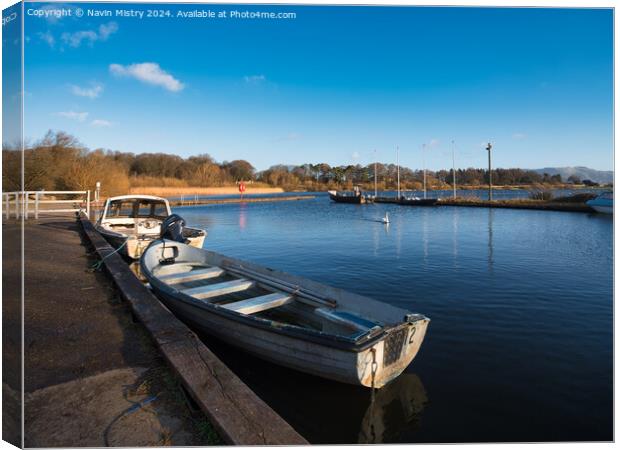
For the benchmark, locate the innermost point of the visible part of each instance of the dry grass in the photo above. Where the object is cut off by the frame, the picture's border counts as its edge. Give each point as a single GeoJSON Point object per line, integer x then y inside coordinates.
{"type": "Point", "coordinates": [146, 181]}
{"type": "Point", "coordinates": [163, 191]}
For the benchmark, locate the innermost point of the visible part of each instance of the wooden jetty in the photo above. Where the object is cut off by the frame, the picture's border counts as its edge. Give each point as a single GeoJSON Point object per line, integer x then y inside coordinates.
{"type": "Point", "coordinates": [518, 204]}
{"type": "Point", "coordinates": [237, 413]}
{"type": "Point", "coordinates": [407, 201]}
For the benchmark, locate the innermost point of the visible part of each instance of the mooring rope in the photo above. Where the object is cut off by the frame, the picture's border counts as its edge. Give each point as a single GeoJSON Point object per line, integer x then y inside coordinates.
{"type": "Point", "coordinates": [99, 263]}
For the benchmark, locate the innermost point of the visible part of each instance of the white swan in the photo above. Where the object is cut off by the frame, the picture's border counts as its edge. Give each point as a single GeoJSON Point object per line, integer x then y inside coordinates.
{"type": "Point", "coordinates": [386, 219]}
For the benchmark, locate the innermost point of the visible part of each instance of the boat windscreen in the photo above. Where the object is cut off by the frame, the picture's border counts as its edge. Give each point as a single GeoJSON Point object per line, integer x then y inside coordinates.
{"type": "Point", "coordinates": [137, 209]}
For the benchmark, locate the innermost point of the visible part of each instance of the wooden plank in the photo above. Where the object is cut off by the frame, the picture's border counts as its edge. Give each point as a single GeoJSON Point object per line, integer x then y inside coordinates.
{"type": "Point", "coordinates": [192, 275]}
{"type": "Point", "coordinates": [218, 289]}
{"type": "Point", "coordinates": [258, 304]}
{"type": "Point", "coordinates": [238, 414]}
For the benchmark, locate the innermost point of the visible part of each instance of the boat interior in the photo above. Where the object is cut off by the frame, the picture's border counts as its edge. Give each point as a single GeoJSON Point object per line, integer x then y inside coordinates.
{"type": "Point", "coordinates": [257, 295]}
{"type": "Point", "coordinates": [135, 216]}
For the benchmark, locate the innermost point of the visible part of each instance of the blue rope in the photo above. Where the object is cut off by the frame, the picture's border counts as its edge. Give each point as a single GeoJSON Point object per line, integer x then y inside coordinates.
{"type": "Point", "coordinates": [98, 264]}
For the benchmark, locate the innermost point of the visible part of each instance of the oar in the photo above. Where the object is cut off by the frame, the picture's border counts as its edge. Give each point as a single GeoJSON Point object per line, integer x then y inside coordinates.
{"type": "Point", "coordinates": [283, 285]}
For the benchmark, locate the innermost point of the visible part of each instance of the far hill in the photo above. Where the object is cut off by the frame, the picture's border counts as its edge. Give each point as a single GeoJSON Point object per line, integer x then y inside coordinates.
{"type": "Point", "coordinates": [583, 173]}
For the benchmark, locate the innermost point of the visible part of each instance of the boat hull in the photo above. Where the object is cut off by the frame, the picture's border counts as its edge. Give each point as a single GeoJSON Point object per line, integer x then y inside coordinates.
{"type": "Point", "coordinates": [346, 366]}
{"type": "Point", "coordinates": [373, 361]}
{"type": "Point", "coordinates": [418, 202]}
{"type": "Point", "coordinates": [132, 246]}
{"type": "Point", "coordinates": [603, 209]}
{"type": "Point", "coordinates": [604, 203]}
{"type": "Point", "coordinates": [353, 199]}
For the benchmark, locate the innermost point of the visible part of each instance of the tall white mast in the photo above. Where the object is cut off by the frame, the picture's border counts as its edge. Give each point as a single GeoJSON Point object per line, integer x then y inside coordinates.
{"type": "Point", "coordinates": [453, 173]}
{"type": "Point", "coordinates": [424, 164]}
{"type": "Point", "coordinates": [375, 172]}
{"type": "Point", "coordinates": [397, 172]}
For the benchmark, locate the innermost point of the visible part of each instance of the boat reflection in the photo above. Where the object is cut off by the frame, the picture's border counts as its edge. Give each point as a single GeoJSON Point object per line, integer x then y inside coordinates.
{"type": "Point", "coordinates": [396, 408]}
{"type": "Point", "coordinates": [328, 412]}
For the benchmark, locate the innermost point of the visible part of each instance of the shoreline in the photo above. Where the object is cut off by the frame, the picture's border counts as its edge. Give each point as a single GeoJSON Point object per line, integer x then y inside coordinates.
{"type": "Point", "coordinates": [168, 192]}
{"type": "Point", "coordinates": [178, 191]}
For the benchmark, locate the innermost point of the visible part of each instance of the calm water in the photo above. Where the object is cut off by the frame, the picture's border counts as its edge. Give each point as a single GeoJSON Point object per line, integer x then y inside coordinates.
{"type": "Point", "coordinates": [520, 342]}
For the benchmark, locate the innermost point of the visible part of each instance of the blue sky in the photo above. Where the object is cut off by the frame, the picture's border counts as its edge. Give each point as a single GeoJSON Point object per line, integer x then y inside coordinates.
{"type": "Point", "coordinates": [330, 85]}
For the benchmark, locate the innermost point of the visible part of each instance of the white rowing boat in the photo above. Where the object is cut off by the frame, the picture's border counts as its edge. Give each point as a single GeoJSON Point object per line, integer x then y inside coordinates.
{"type": "Point", "coordinates": [284, 318]}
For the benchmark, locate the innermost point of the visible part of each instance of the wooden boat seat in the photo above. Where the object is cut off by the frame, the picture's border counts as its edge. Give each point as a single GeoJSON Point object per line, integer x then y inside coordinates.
{"type": "Point", "coordinates": [347, 318]}
{"type": "Point", "coordinates": [218, 289]}
{"type": "Point", "coordinates": [192, 275]}
{"type": "Point", "coordinates": [257, 304]}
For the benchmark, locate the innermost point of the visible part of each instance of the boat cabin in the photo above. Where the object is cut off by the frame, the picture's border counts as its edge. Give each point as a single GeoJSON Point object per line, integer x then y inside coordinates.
{"type": "Point", "coordinates": [134, 214]}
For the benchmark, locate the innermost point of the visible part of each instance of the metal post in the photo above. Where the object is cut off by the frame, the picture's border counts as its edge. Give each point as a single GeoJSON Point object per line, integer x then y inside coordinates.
{"type": "Point", "coordinates": [26, 203]}
{"type": "Point", "coordinates": [88, 203]}
{"type": "Point", "coordinates": [398, 172]}
{"type": "Point", "coordinates": [489, 146]}
{"type": "Point", "coordinates": [17, 205]}
{"type": "Point", "coordinates": [7, 213]}
{"type": "Point", "coordinates": [375, 173]}
{"type": "Point", "coordinates": [36, 205]}
{"type": "Point", "coordinates": [453, 174]}
{"type": "Point", "coordinates": [424, 164]}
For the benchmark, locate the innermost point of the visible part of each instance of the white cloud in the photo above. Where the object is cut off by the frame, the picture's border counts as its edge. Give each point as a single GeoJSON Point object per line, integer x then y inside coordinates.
{"type": "Point", "coordinates": [93, 92]}
{"type": "Point", "coordinates": [48, 38]}
{"type": "Point", "coordinates": [519, 136]}
{"type": "Point", "coordinates": [433, 143]}
{"type": "Point", "coordinates": [79, 116]}
{"type": "Point", "coordinates": [101, 123]}
{"type": "Point", "coordinates": [254, 79]}
{"type": "Point", "coordinates": [89, 36]}
{"type": "Point", "coordinates": [149, 73]}
{"type": "Point", "coordinates": [105, 30]}
{"type": "Point", "coordinates": [355, 156]}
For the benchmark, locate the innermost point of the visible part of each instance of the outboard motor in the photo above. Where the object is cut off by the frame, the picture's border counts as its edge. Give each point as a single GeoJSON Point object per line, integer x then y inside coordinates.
{"type": "Point", "coordinates": [172, 229]}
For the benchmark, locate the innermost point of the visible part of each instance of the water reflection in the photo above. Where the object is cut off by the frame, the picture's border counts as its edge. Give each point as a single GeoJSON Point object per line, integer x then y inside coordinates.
{"type": "Point", "coordinates": [397, 407]}
{"type": "Point", "coordinates": [243, 215]}
{"type": "Point", "coordinates": [490, 240]}
{"type": "Point", "coordinates": [455, 230]}
{"type": "Point", "coordinates": [328, 412]}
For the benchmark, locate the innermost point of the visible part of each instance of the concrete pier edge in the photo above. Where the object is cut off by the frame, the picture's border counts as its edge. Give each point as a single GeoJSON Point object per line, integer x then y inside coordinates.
{"type": "Point", "coordinates": [237, 413]}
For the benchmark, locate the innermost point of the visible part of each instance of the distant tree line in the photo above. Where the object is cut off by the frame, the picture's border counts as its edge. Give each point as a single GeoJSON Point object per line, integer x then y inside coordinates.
{"type": "Point", "coordinates": [60, 162]}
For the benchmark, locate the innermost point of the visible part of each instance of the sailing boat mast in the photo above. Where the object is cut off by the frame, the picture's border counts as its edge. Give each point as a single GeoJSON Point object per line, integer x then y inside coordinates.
{"type": "Point", "coordinates": [375, 173]}
{"type": "Point", "coordinates": [398, 172]}
{"type": "Point", "coordinates": [424, 164]}
{"type": "Point", "coordinates": [453, 173]}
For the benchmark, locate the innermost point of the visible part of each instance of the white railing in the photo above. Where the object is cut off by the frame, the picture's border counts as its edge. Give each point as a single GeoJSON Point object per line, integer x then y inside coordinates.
{"type": "Point", "coordinates": [20, 203]}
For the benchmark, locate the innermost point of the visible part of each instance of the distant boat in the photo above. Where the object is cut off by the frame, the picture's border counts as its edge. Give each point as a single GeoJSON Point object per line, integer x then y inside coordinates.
{"type": "Point", "coordinates": [356, 196]}
{"type": "Point", "coordinates": [284, 318]}
{"type": "Point", "coordinates": [131, 222]}
{"type": "Point", "coordinates": [417, 201]}
{"type": "Point", "coordinates": [604, 203]}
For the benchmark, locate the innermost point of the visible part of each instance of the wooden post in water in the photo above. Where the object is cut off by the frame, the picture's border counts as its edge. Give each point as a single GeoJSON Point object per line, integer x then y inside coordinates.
{"type": "Point", "coordinates": [489, 146]}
